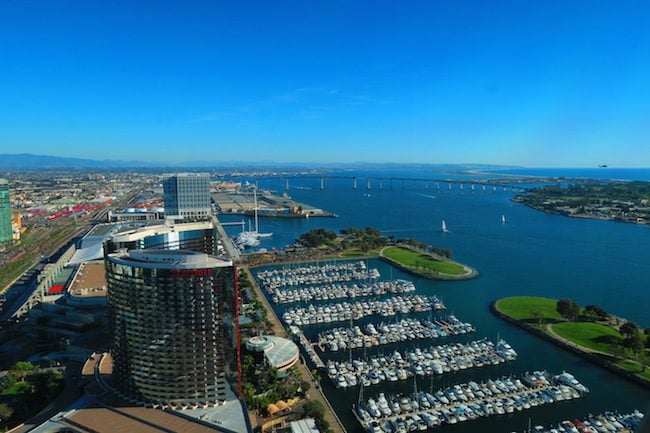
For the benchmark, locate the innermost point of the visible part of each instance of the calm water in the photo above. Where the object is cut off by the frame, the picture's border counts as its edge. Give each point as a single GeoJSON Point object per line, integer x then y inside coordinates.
{"type": "Point", "coordinates": [593, 262]}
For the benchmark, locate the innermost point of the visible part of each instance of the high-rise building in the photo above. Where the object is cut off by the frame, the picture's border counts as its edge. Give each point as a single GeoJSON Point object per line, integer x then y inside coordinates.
{"type": "Point", "coordinates": [5, 213]}
{"type": "Point", "coordinates": [197, 236]}
{"type": "Point", "coordinates": [187, 196]}
{"type": "Point", "coordinates": [169, 314]}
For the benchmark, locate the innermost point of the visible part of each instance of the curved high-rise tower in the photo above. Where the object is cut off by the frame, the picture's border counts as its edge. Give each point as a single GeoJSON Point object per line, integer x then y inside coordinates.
{"type": "Point", "coordinates": [166, 313]}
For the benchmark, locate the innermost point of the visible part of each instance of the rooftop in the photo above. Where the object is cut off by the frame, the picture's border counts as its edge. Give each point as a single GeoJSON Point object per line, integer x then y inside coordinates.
{"type": "Point", "coordinates": [133, 234]}
{"type": "Point", "coordinates": [168, 259]}
{"type": "Point", "coordinates": [280, 353]}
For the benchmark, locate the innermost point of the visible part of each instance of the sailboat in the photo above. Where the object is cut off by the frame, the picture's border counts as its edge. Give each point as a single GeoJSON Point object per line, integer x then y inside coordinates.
{"type": "Point", "coordinates": [443, 229]}
{"type": "Point", "coordinates": [257, 232]}
{"type": "Point", "coordinates": [503, 219]}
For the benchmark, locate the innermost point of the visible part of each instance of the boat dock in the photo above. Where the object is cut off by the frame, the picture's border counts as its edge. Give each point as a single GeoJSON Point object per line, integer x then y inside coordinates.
{"type": "Point", "coordinates": [420, 362]}
{"type": "Point", "coordinates": [340, 291]}
{"type": "Point", "coordinates": [327, 313]}
{"type": "Point", "coordinates": [459, 403]}
{"type": "Point", "coordinates": [309, 348]}
{"type": "Point", "coordinates": [388, 333]}
{"type": "Point", "coordinates": [296, 276]}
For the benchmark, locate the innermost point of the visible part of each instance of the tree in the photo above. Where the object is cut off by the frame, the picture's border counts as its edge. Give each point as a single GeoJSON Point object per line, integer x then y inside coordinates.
{"type": "Point", "coordinates": [305, 386]}
{"type": "Point", "coordinates": [22, 369]}
{"type": "Point", "coordinates": [5, 413]}
{"type": "Point", "coordinates": [248, 391]}
{"type": "Point", "coordinates": [568, 309]}
{"type": "Point", "coordinates": [536, 313]}
{"type": "Point", "coordinates": [634, 343]}
{"type": "Point", "coordinates": [629, 329]}
{"type": "Point", "coordinates": [597, 311]}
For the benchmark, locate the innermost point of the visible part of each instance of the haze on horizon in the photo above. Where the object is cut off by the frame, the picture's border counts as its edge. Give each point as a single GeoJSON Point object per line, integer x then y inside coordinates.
{"type": "Point", "coordinates": [537, 84]}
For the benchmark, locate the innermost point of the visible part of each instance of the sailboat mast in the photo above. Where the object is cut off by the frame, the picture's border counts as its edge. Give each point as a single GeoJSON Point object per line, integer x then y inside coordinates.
{"type": "Point", "coordinates": [256, 221]}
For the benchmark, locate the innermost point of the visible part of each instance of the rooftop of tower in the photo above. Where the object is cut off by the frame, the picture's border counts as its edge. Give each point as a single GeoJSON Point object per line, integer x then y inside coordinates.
{"type": "Point", "coordinates": [168, 259]}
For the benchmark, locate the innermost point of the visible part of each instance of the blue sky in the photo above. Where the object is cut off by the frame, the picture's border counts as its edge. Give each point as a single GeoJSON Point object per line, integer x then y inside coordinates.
{"type": "Point", "coordinates": [535, 83]}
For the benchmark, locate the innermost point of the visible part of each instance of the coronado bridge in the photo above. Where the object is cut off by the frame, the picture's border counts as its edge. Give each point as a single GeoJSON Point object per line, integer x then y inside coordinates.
{"type": "Point", "coordinates": [388, 182]}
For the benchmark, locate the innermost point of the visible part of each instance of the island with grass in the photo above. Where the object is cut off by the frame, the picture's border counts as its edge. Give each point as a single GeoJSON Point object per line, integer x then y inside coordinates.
{"type": "Point", "coordinates": [426, 263]}
{"type": "Point", "coordinates": [410, 255]}
{"type": "Point", "coordinates": [614, 343]}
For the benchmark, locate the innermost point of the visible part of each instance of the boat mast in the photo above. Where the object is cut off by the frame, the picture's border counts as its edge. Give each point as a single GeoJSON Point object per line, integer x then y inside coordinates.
{"type": "Point", "coordinates": [256, 221]}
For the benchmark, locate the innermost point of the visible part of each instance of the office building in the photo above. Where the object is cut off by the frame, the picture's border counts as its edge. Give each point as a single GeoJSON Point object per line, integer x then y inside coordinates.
{"type": "Point", "coordinates": [170, 313]}
{"type": "Point", "coordinates": [187, 196]}
{"type": "Point", "coordinates": [6, 232]}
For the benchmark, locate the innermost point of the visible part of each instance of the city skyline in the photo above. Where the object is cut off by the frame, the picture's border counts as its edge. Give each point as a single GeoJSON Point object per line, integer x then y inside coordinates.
{"type": "Point", "coordinates": [536, 85]}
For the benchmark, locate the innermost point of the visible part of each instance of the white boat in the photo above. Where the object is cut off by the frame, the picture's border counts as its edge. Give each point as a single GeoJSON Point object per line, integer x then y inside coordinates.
{"type": "Point", "coordinates": [443, 229]}
{"type": "Point", "coordinates": [257, 233]}
{"type": "Point", "coordinates": [503, 219]}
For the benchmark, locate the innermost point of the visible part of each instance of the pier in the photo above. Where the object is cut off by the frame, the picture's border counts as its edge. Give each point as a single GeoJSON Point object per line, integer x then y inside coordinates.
{"type": "Point", "coordinates": [340, 291]}
{"type": "Point", "coordinates": [434, 360]}
{"type": "Point", "coordinates": [459, 403]}
{"type": "Point", "coordinates": [328, 313]}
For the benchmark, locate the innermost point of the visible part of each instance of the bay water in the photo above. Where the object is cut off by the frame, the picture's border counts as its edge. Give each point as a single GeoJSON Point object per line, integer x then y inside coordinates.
{"type": "Point", "coordinates": [593, 262]}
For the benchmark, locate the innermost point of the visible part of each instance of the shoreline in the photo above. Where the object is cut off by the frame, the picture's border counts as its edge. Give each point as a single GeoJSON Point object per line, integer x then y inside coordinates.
{"type": "Point", "coordinates": [598, 358]}
{"type": "Point", "coordinates": [579, 216]}
{"type": "Point", "coordinates": [469, 274]}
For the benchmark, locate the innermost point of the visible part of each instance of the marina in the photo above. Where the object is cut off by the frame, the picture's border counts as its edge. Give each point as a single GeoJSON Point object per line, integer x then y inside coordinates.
{"type": "Point", "coordinates": [340, 291]}
{"type": "Point", "coordinates": [387, 333]}
{"type": "Point", "coordinates": [462, 402]}
{"type": "Point", "coordinates": [296, 276]}
{"type": "Point", "coordinates": [312, 314]}
{"type": "Point", "coordinates": [607, 422]}
{"type": "Point", "coordinates": [420, 362]}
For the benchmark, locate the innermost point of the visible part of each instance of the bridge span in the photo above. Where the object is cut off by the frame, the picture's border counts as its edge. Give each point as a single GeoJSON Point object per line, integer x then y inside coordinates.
{"type": "Point", "coordinates": [390, 182]}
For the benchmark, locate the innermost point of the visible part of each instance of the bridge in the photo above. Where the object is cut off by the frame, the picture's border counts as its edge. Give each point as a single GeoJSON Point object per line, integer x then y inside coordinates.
{"type": "Point", "coordinates": [389, 182]}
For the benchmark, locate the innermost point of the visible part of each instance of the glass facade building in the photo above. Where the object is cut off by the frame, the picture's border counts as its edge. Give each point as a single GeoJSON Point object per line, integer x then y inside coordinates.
{"type": "Point", "coordinates": [202, 240]}
{"type": "Point", "coordinates": [169, 313]}
{"type": "Point", "coordinates": [5, 212]}
{"type": "Point", "coordinates": [187, 196]}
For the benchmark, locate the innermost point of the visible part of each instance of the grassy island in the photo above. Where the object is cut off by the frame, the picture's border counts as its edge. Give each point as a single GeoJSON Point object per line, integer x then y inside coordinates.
{"type": "Point", "coordinates": [591, 331]}
{"type": "Point", "coordinates": [421, 262]}
{"type": "Point", "coordinates": [409, 255]}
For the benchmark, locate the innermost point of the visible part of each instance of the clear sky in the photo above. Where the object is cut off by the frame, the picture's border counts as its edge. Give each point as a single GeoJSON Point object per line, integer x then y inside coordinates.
{"type": "Point", "coordinates": [535, 83]}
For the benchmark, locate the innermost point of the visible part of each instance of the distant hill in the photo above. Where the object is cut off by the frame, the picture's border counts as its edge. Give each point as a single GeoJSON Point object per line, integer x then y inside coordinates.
{"type": "Point", "coordinates": [28, 161]}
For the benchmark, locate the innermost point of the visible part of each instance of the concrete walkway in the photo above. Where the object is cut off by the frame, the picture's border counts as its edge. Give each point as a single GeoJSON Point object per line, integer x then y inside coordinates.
{"type": "Point", "coordinates": [315, 393]}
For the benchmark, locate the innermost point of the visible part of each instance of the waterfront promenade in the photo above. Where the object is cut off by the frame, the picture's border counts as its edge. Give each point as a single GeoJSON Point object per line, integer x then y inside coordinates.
{"type": "Point", "coordinates": [316, 393]}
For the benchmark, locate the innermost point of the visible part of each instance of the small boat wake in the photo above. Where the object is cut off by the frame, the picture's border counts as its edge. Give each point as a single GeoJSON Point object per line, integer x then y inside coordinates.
{"type": "Point", "coordinates": [427, 195]}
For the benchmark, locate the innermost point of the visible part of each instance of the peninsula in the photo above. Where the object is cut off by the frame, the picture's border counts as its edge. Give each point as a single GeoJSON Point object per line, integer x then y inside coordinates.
{"type": "Point", "coordinates": [619, 201]}
{"type": "Point", "coordinates": [614, 343]}
{"type": "Point", "coordinates": [409, 255]}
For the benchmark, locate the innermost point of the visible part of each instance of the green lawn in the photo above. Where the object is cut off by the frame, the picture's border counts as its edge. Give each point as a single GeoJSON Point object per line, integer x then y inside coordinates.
{"type": "Point", "coordinates": [356, 252]}
{"type": "Point", "coordinates": [524, 307]}
{"type": "Point", "coordinates": [590, 335]}
{"type": "Point", "coordinates": [634, 368]}
{"type": "Point", "coordinates": [419, 261]}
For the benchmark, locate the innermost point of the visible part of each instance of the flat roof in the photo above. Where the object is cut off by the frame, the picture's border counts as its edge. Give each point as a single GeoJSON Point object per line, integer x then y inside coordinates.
{"type": "Point", "coordinates": [90, 280]}
{"type": "Point", "coordinates": [167, 259]}
{"type": "Point", "coordinates": [134, 234]}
